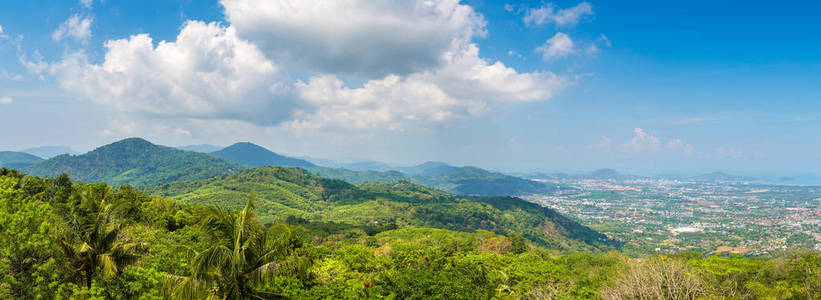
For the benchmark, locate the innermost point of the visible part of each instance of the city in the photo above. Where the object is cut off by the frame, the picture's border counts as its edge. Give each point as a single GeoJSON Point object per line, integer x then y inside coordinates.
{"type": "Point", "coordinates": [674, 215]}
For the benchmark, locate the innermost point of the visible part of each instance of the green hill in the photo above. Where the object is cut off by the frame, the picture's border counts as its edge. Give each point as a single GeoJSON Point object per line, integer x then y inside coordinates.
{"type": "Point", "coordinates": [135, 161]}
{"type": "Point", "coordinates": [480, 182]}
{"type": "Point", "coordinates": [252, 156]}
{"type": "Point", "coordinates": [462, 181]}
{"type": "Point", "coordinates": [357, 177]}
{"type": "Point", "coordinates": [286, 192]}
{"type": "Point", "coordinates": [17, 160]}
{"type": "Point", "coordinates": [429, 169]}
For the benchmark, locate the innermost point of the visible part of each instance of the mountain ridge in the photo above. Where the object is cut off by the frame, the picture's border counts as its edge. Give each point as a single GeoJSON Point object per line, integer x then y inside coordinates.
{"type": "Point", "coordinates": [252, 155]}
{"type": "Point", "coordinates": [295, 192]}
{"type": "Point", "coordinates": [134, 161]}
{"type": "Point", "coordinates": [17, 160]}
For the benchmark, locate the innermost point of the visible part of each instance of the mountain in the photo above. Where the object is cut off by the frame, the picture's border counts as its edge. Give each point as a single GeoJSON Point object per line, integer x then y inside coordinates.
{"type": "Point", "coordinates": [47, 152]}
{"type": "Point", "coordinates": [17, 160]}
{"type": "Point", "coordinates": [135, 161]}
{"type": "Point", "coordinates": [428, 169]}
{"type": "Point", "coordinates": [202, 148]}
{"type": "Point", "coordinates": [476, 181]}
{"type": "Point", "coordinates": [251, 155]}
{"type": "Point", "coordinates": [283, 192]}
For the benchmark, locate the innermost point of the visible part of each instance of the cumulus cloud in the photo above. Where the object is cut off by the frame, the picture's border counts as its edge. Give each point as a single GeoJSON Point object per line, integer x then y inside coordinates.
{"type": "Point", "coordinates": [6, 100]}
{"type": "Point", "coordinates": [642, 141]}
{"type": "Point", "coordinates": [417, 59]}
{"type": "Point", "coordinates": [76, 27]}
{"type": "Point", "coordinates": [678, 145]}
{"type": "Point", "coordinates": [465, 86]}
{"type": "Point", "coordinates": [365, 37]}
{"type": "Point", "coordinates": [206, 73]}
{"type": "Point", "coordinates": [86, 3]}
{"type": "Point", "coordinates": [565, 17]}
{"type": "Point", "coordinates": [559, 45]}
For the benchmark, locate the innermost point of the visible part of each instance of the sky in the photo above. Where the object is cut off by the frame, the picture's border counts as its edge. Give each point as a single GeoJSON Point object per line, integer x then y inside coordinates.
{"type": "Point", "coordinates": [646, 87]}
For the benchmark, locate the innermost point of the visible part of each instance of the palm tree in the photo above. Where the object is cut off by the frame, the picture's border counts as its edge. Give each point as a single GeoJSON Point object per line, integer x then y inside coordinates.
{"type": "Point", "coordinates": [93, 243]}
{"type": "Point", "coordinates": [241, 254]}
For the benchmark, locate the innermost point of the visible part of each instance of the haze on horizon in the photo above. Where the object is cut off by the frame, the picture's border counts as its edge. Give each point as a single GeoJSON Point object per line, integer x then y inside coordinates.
{"type": "Point", "coordinates": [514, 86]}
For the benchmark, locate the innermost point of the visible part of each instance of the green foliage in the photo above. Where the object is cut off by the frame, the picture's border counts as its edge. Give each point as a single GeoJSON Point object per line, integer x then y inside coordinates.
{"type": "Point", "coordinates": [339, 252]}
{"type": "Point", "coordinates": [241, 253]}
{"type": "Point", "coordinates": [94, 243]}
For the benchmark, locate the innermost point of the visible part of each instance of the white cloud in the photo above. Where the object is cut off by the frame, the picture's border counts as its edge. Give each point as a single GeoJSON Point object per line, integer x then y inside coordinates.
{"type": "Point", "coordinates": [559, 45]}
{"type": "Point", "coordinates": [678, 145]}
{"type": "Point", "coordinates": [86, 3]}
{"type": "Point", "coordinates": [565, 17]}
{"type": "Point", "coordinates": [642, 141]}
{"type": "Point", "coordinates": [430, 73]}
{"type": "Point", "coordinates": [6, 100]}
{"type": "Point", "coordinates": [76, 27]}
{"type": "Point", "coordinates": [364, 37]}
{"type": "Point", "coordinates": [206, 73]}
{"type": "Point", "coordinates": [36, 66]}
{"type": "Point", "coordinates": [6, 75]}
{"type": "Point", "coordinates": [595, 47]}
{"type": "Point", "coordinates": [604, 41]}
{"type": "Point", "coordinates": [466, 86]}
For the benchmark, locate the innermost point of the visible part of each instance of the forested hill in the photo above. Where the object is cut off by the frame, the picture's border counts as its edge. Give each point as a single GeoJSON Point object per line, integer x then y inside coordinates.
{"type": "Point", "coordinates": [285, 192]}
{"type": "Point", "coordinates": [70, 240]}
{"type": "Point", "coordinates": [135, 161]}
{"type": "Point", "coordinates": [252, 156]}
{"type": "Point", "coordinates": [480, 182]}
{"type": "Point", "coordinates": [469, 181]}
{"type": "Point", "coordinates": [12, 159]}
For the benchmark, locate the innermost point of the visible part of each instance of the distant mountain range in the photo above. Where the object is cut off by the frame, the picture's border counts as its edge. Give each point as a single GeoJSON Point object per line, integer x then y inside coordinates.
{"type": "Point", "coordinates": [429, 169]}
{"type": "Point", "coordinates": [439, 175]}
{"type": "Point", "coordinates": [610, 174]}
{"type": "Point", "coordinates": [47, 152]}
{"type": "Point", "coordinates": [135, 161]}
{"type": "Point", "coordinates": [17, 160]}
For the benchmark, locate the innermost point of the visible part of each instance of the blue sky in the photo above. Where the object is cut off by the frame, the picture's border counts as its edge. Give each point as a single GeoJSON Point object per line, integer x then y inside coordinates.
{"type": "Point", "coordinates": [647, 87]}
